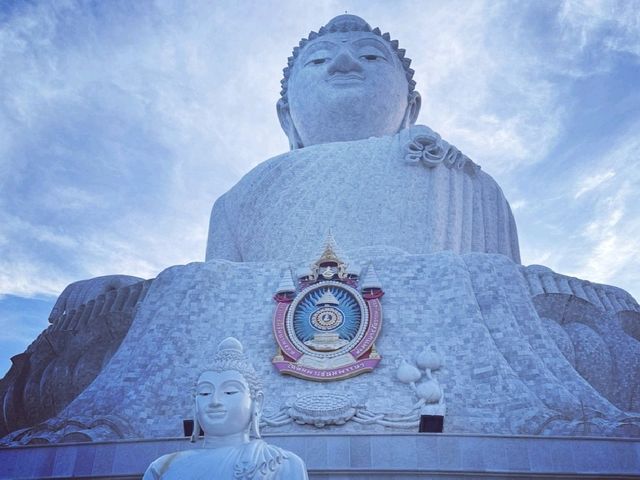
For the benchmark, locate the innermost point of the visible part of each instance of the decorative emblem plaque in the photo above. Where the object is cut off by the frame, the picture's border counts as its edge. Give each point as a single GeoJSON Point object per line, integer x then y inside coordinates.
{"type": "Point", "coordinates": [326, 327]}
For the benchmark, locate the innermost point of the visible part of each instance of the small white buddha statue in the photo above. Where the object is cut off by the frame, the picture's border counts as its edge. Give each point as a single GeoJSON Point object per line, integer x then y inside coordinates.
{"type": "Point", "coordinates": [228, 404]}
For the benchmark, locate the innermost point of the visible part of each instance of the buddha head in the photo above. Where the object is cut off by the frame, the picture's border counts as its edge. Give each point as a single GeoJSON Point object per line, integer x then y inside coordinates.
{"type": "Point", "coordinates": [228, 396]}
{"type": "Point", "coordinates": [346, 82]}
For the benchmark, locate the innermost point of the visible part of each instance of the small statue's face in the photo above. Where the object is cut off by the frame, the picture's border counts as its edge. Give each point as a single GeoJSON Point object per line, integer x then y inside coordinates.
{"type": "Point", "coordinates": [347, 86]}
{"type": "Point", "coordinates": [223, 403]}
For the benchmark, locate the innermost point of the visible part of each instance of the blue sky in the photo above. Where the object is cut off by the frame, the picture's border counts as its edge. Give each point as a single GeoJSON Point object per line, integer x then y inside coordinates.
{"type": "Point", "coordinates": [121, 122]}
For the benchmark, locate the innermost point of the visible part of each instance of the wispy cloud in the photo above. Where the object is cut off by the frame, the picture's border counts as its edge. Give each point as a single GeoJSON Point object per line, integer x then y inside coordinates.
{"type": "Point", "coordinates": [592, 182]}
{"type": "Point", "coordinates": [601, 24]}
{"type": "Point", "coordinates": [593, 231]}
{"type": "Point", "coordinates": [121, 122]}
{"type": "Point", "coordinates": [612, 236]}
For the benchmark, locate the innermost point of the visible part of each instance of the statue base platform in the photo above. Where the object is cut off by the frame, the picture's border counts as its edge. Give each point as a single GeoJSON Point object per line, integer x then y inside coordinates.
{"type": "Point", "coordinates": [523, 353]}
{"type": "Point", "coordinates": [357, 456]}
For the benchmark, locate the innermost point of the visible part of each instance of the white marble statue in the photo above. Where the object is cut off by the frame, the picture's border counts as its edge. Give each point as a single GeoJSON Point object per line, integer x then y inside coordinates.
{"type": "Point", "coordinates": [358, 165]}
{"type": "Point", "coordinates": [228, 404]}
{"type": "Point", "coordinates": [524, 350]}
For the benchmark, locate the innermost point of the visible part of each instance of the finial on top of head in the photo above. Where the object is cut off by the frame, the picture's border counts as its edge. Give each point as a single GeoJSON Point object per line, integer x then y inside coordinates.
{"type": "Point", "coordinates": [230, 356]}
{"type": "Point", "coordinates": [230, 344]}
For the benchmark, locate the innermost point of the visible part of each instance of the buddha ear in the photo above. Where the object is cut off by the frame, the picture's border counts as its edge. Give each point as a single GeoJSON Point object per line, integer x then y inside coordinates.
{"type": "Point", "coordinates": [413, 109]}
{"type": "Point", "coordinates": [196, 425]}
{"type": "Point", "coordinates": [254, 425]}
{"type": "Point", "coordinates": [258, 403]}
{"type": "Point", "coordinates": [286, 122]}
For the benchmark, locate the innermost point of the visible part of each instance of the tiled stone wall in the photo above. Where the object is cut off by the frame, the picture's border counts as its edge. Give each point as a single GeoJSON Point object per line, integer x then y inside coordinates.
{"type": "Point", "coordinates": [503, 373]}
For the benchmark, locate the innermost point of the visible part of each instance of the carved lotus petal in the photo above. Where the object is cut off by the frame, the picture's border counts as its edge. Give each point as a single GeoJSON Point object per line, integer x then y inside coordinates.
{"type": "Point", "coordinates": [407, 373]}
{"type": "Point", "coordinates": [323, 408]}
{"type": "Point", "coordinates": [429, 359]}
{"type": "Point", "coordinates": [429, 391]}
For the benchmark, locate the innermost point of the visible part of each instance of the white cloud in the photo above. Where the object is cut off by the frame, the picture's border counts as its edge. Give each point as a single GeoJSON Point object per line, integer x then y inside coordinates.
{"type": "Point", "coordinates": [613, 24]}
{"type": "Point", "coordinates": [601, 231]}
{"type": "Point", "coordinates": [592, 182]}
{"type": "Point", "coordinates": [518, 204]}
{"type": "Point", "coordinates": [121, 124]}
{"type": "Point", "coordinates": [612, 236]}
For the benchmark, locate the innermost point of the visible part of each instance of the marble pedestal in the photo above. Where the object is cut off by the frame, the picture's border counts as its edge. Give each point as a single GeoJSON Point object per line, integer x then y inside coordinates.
{"type": "Point", "coordinates": [503, 368]}
{"type": "Point", "coordinates": [367, 456]}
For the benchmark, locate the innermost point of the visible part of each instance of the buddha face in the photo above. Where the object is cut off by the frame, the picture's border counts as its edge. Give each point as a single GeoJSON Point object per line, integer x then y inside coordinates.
{"type": "Point", "coordinates": [347, 86]}
{"type": "Point", "coordinates": [223, 403]}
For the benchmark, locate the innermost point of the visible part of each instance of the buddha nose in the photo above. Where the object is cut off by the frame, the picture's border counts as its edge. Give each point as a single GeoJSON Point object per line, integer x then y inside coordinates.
{"type": "Point", "coordinates": [214, 399]}
{"type": "Point", "coordinates": [344, 62]}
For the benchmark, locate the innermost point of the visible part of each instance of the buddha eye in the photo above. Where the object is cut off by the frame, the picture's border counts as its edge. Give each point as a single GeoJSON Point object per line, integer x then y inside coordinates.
{"type": "Point", "coordinates": [317, 61]}
{"type": "Point", "coordinates": [230, 392]}
{"type": "Point", "coordinates": [371, 57]}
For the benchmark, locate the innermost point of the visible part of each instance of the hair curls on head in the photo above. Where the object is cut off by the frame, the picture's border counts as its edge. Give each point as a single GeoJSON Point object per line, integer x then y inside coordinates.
{"type": "Point", "coordinates": [345, 23]}
{"type": "Point", "coordinates": [230, 356]}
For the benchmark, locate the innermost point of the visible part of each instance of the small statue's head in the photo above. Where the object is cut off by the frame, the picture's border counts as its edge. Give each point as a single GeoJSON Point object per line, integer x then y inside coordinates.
{"type": "Point", "coordinates": [228, 396]}
{"type": "Point", "coordinates": [346, 82]}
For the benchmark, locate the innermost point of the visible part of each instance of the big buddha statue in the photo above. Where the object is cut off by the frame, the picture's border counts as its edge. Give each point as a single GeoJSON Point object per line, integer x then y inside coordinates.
{"type": "Point", "coordinates": [522, 349]}
{"type": "Point", "coordinates": [358, 164]}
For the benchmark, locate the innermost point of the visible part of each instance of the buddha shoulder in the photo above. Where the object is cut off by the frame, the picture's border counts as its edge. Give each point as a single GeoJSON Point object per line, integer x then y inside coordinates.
{"type": "Point", "coordinates": [159, 467]}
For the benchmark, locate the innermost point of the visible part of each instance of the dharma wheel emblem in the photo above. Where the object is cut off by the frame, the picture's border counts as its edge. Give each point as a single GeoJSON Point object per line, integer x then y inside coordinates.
{"type": "Point", "coordinates": [327, 325]}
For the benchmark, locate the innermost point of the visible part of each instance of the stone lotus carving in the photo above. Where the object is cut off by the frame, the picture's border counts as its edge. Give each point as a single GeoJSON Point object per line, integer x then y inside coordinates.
{"type": "Point", "coordinates": [228, 405]}
{"type": "Point", "coordinates": [429, 392]}
{"type": "Point", "coordinates": [321, 409]}
{"type": "Point", "coordinates": [324, 408]}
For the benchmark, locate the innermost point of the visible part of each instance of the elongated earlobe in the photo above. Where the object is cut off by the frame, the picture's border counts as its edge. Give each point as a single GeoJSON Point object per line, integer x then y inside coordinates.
{"type": "Point", "coordinates": [287, 125]}
{"type": "Point", "coordinates": [196, 425]}
{"type": "Point", "coordinates": [413, 109]}
{"type": "Point", "coordinates": [256, 415]}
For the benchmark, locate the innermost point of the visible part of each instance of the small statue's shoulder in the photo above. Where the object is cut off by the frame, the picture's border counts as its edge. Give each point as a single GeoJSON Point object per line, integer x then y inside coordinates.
{"type": "Point", "coordinates": [280, 464]}
{"type": "Point", "coordinates": [293, 467]}
{"type": "Point", "coordinates": [161, 465]}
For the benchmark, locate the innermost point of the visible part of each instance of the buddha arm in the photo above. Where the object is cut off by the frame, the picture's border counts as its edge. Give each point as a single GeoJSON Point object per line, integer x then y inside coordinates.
{"type": "Point", "coordinates": [222, 240]}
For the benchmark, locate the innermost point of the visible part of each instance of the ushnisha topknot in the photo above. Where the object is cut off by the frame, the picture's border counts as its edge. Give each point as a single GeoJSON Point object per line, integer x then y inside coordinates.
{"type": "Point", "coordinates": [346, 23]}
{"type": "Point", "coordinates": [230, 356]}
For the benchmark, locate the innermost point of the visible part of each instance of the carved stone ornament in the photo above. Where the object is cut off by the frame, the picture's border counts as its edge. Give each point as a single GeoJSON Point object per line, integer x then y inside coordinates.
{"type": "Point", "coordinates": [429, 391]}
{"type": "Point", "coordinates": [326, 328]}
{"type": "Point", "coordinates": [427, 147]}
{"type": "Point", "coordinates": [324, 408]}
